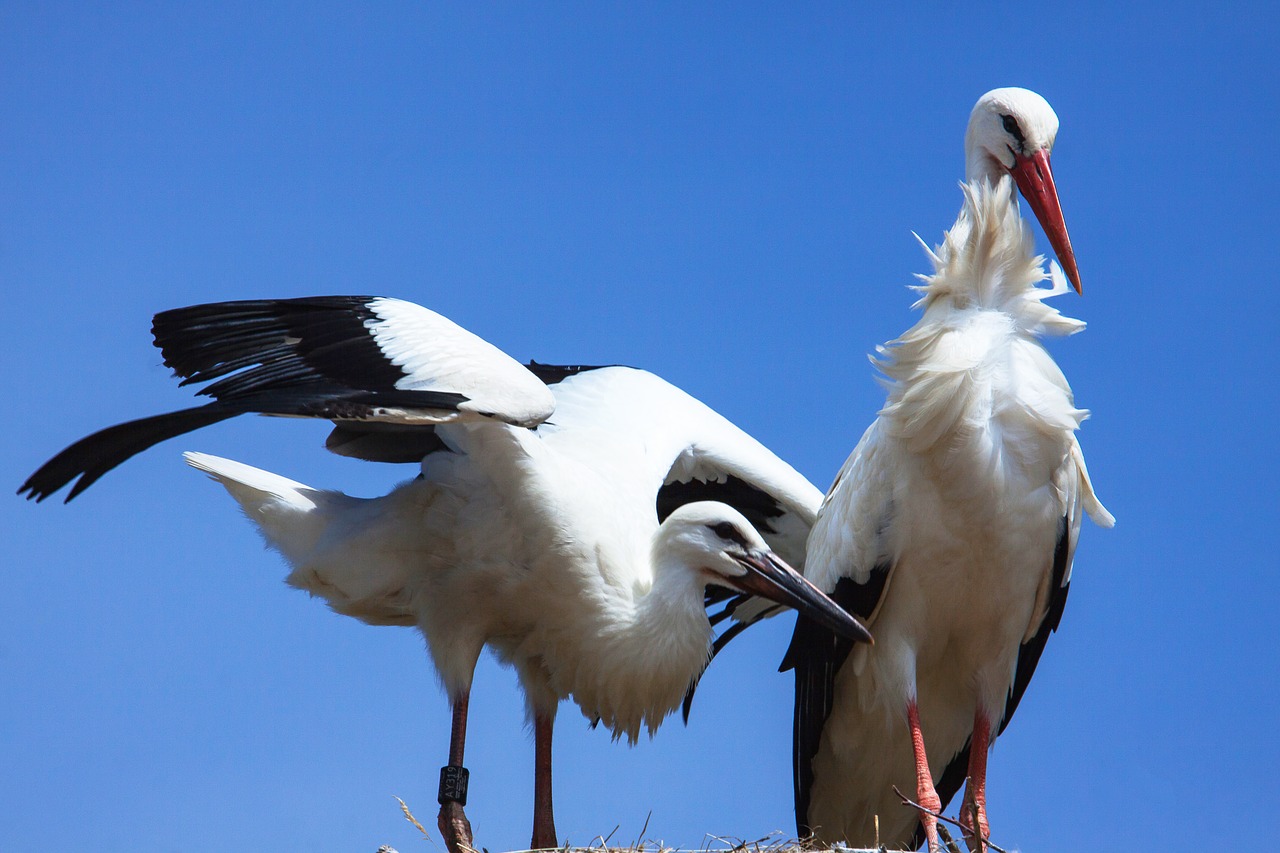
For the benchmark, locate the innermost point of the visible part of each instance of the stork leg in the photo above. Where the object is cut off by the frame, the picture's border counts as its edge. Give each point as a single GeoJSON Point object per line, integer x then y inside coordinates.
{"type": "Point", "coordinates": [452, 821]}
{"type": "Point", "coordinates": [544, 821]}
{"type": "Point", "coordinates": [973, 814]}
{"type": "Point", "coordinates": [926, 793]}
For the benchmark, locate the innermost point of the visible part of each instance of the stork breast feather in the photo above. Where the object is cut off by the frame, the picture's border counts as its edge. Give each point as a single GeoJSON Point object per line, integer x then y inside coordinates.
{"type": "Point", "coordinates": [929, 408]}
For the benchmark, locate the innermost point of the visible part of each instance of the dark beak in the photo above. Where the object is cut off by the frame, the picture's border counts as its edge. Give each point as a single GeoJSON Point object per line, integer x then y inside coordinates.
{"type": "Point", "coordinates": [1035, 182]}
{"type": "Point", "coordinates": [769, 577]}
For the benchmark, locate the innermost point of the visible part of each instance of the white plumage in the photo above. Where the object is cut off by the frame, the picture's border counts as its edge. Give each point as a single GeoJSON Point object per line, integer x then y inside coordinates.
{"type": "Point", "coordinates": [543, 544]}
{"type": "Point", "coordinates": [542, 541]}
{"type": "Point", "coordinates": [952, 525]}
{"type": "Point", "coordinates": [435, 353]}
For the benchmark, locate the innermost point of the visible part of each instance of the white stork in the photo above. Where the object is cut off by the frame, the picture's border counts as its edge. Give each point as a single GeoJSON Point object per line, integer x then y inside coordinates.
{"type": "Point", "coordinates": [569, 518]}
{"type": "Point", "coordinates": [951, 528]}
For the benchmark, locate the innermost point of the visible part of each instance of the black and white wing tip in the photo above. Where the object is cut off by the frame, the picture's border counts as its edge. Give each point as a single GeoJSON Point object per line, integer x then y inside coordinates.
{"type": "Point", "coordinates": [352, 358]}
{"type": "Point", "coordinates": [343, 358]}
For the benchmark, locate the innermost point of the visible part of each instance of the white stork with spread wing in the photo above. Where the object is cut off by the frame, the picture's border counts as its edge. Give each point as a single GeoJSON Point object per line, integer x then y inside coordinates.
{"type": "Point", "coordinates": [569, 518]}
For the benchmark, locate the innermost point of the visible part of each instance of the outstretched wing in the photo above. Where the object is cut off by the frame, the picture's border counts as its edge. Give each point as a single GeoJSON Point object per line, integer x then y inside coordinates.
{"type": "Point", "coordinates": [357, 359]}
{"type": "Point", "coordinates": [688, 451]}
{"type": "Point", "coordinates": [692, 453]}
{"type": "Point", "coordinates": [378, 441]}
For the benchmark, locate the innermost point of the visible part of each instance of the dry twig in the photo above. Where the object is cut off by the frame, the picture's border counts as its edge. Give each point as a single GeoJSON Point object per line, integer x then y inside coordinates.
{"type": "Point", "coordinates": [639, 842]}
{"type": "Point", "coordinates": [940, 816]}
{"type": "Point", "coordinates": [948, 840]}
{"type": "Point", "coordinates": [970, 805]}
{"type": "Point", "coordinates": [603, 839]}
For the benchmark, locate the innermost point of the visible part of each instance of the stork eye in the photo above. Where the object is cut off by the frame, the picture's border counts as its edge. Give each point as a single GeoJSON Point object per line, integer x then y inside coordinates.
{"type": "Point", "coordinates": [1011, 128]}
{"type": "Point", "coordinates": [726, 530]}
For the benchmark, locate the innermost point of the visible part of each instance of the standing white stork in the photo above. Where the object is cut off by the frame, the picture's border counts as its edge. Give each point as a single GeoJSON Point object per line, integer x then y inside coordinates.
{"type": "Point", "coordinates": [951, 527]}
{"type": "Point", "coordinates": [577, 548]}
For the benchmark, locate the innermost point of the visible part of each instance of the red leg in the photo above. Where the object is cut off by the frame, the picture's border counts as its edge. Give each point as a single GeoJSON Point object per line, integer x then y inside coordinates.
{"type": "Point", "coordinates": [544, 822]}
{"type": "Point", "coordinates": [973, 815]}
{"type": "Point", "coordinates": [926, 794]}
{"type": "Point", "coordinates": [452, 821]}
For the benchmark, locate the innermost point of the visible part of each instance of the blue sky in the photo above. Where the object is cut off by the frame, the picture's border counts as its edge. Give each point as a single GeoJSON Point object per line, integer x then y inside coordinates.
{"type": "Point", "coordinates": [722, 193]}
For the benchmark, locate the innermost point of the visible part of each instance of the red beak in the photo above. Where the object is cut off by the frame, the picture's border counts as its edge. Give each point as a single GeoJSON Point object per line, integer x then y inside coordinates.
{"type": "Point", "coordinates": [1035, 182]}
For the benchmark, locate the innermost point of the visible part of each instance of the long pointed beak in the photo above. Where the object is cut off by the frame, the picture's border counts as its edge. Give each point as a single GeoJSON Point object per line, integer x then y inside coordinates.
{"type": "Point", "coordinates": [1035, 182]}
{"type": "Point", "coordinates": [770, 577]}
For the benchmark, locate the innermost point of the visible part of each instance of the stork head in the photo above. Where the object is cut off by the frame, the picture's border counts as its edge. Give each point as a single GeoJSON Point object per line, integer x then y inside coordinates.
{"type": "Point", "coordinates": [715, 541]}
{"type": "Point", "coordinates": [1011, 132]}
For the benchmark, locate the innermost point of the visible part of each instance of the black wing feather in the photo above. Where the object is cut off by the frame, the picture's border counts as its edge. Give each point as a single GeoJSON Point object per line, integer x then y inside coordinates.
{"type": "Point", "coordinates": [96, 454]}
{"type": "Point", "coordinates": [260, 344]}
{"type": "Point", "coordinates": [372, 441]}
{"type": "Point", "coordinates": [553, 374]}
{"type": "Point", "coordinates": [310, 357]}
{"type": "Point", "coordinates": [758, 506]}
{"type": "Point", "coordinates": [816, 654]}
{"type": "Point", "coordinates": [732, 600]}
{"type": "Point", "coordinates": [1029, 653]}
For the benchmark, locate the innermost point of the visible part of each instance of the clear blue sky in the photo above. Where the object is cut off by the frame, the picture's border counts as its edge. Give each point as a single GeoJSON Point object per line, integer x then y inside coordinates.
{"type": "Point", "coordinates": [722, 193]}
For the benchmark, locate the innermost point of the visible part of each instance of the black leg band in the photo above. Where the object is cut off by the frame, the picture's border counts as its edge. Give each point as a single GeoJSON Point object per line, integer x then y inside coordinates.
{"type": "Point", "coordinates": [453, 785]}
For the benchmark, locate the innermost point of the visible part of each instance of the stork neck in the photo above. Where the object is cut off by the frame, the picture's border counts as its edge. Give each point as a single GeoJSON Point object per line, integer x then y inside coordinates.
{"type": "Point", "coordinates": [674, 602]}
{"type": "Point", "coordinates": [641, 655]}
{"type": "Point", "coordinates": [980, 166]}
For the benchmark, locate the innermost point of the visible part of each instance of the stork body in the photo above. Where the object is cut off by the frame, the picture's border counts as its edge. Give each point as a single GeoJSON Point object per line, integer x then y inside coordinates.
{"type": "Point", "coordinates": [951, 527]}
{"type": "Point", "coordinates": [577, 548]}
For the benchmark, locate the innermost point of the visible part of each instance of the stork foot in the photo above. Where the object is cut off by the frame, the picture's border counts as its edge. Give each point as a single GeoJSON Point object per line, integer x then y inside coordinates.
{"type": "Point", "coordinates": [932, 804]}
{"type": "Point", "coordinates": [973, 820]}
{"type": "Point", "coordinates": [926, 794]}
{"type": "Point", "coordinates": [973, 811]}
{"type": "Point", "coordinates": [455, 828]}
